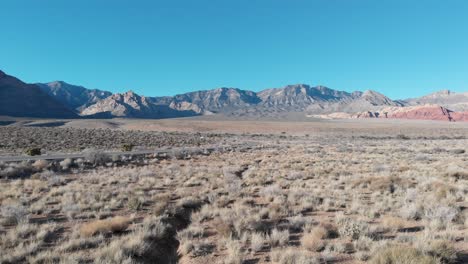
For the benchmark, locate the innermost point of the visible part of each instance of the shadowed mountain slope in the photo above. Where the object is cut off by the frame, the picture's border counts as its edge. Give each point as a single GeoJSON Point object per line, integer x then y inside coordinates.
{"type": "Point", "coordinates": [73, 96]}
{"type": "Point", "coordinates": [28, 100]}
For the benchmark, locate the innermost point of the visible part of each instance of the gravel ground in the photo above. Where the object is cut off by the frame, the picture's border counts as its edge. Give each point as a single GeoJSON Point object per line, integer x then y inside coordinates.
{"type": "Point", "coordinates": [17, 139]}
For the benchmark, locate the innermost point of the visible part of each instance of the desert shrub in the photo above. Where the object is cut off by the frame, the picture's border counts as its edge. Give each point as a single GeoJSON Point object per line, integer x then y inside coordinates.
{"type": "Point", "coordinates": [25, 230]}
{"type": "Point", "coordinates": [363, 243]}
{"type": "Point", "coordinates": [116, 224]}
{"type": "Point", "coordinates": [292, 256]}
{"type": "Point", "coordinates": [339, 247]}
{"type": "Point", "coordinates": [329, 229]}
{"type": "Point", "coordinates": [150, 242]}
{"type": "Point", "coordinates": [456, 172]}
{"type": "Point", "coordinates": [412, 211]}
{"type": "Point", "coordinates": [33, 151]}
{"type": "Point", "coordinates": [257, 241]}
{"type": "Point", "coordinates": [313, 240]}
{"type": "Point", "coordinates": [298, 222]}
{"type": "Point", "coordinates": [402, 137]}
{"type": "Point", "coordinates": [223, 228]}
{"type": "Point", "coordinates": [457, 151]}
{"type": "Point", "coordinates": [179, 154]}
{"type": "Point", "coordinates": [362, 255]}
{"type": "Point", "coordinates": [193, 231]}
{"type": "Point", "coordinates": [185, 247]}
{"type": "Point", "coordinates": [393, 223]}
{"type": "Point", "coordinates": [127, 147]}
{"type": "Point", "coordinates": [190, 203]}
{"type": "Point", "coordinates": [440, 249]}
{"type": "Point", "coordinates": [279, 238]}
{"type": "Point", "coordinates": [40, 164]}
{"type": "Point", "coordinates": [402, 255]}
{"type": "Point", "coordinates": [81, 243]}
{"type": "Point", "coordinates": [232, 182]}
{"type": "Point", "coordinates": [348, 227]}
{"type": "Point", "coordinates": [202, 248]}
{"type": "Point", "coordinates": [272, 191]}
{"type": "Point", "coordinates": [52, 178]}
{"type": "Point", "coordinates": [66, 163]}
{"type": "Point", "coordinates": [234, 252]}
{"type": "Point", "coordinates": [440, 216]}
{"type": "Point", "coordinates": [71, 210]}
{"type": "Point", "coordinates": [14, 214]}
{"type": "Point", "coordinates": [15, 170]}
{"type": "Point", "coordinates": [96, 157]}
{"type": "Point", "coordinates": [134, 203]}
{"type": "Point", "coordinates": [20, 252]}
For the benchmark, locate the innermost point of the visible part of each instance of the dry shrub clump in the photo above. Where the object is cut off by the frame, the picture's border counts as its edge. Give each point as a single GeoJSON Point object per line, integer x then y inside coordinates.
{"type": "Point", "coordinates": [150, 242]}
{"type": "Point", "coordinates": [111, 225]}
{"type": "Point", "coordinates": [293, 256]}
{"type": "Point", "coordinates": [331, 197]}
{"type": "Point", "coordinates": [393, 223]}
{"type": "Point", "coordinates": [402, 255]}
{"type": "Point", "coordinates": [257, 241]}
{"type": "Point", "coordinates": [313, 240]}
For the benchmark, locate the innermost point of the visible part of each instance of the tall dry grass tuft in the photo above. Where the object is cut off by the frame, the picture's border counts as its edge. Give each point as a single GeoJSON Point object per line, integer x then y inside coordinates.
{"type": "Point", "coordinates": [112, 225]}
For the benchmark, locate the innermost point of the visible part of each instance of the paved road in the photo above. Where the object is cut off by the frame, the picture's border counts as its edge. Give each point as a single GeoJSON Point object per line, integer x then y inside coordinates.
{"type": "Point", "coordinates": [61, 156]}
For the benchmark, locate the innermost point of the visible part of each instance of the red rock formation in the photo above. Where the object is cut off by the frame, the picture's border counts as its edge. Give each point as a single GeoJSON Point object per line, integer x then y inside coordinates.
{"type": "Point", "coordinates": [424, 112]}
{"type": "Point", "coordinates": [460, 116]}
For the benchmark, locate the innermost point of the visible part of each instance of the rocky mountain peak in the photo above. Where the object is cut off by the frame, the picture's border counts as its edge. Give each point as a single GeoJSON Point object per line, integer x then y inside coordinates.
{"type": "Point", "coordinates": [295, 98]}
{"type": "Point", "coordinates": [130, 93]}
{"type": "Point", "coordinates": [376, 98]}
{"type": "Point", "coordinates": [441, 93]}
{"type": "Point", "coordinates": [74, 97]}
{"type": "Point", "coordinates": [57, 84]}
{"type": "Point", "coordinates": [446, 98]}
{"type": "Point", "coordinates": [27, 100]}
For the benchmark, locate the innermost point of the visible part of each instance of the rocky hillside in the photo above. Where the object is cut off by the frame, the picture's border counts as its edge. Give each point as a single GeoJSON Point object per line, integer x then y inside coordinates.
{"type": "Point", "coordinates": [423, 112]}
{"type": "Point", "coordinates": [74, 97]}
{"type": "Point", "coordinates": [300, 96]}
{"type": "Point", "coordinates": [360, 101]}
{"type": "Point", "coordinates": [419, 112]}
{"type": "Point", "coordinates": [446, 98]}
{"type": "Point", "coordinates": [28, 100]}
{"type": "Point", "coordinates": [132, 105]}
{"type": "Point", "coordinates": [61, 99]}
{"type": "Point", "coordinates": [240, 103]}
{"type": "Point", "coordinates": [212, 101]}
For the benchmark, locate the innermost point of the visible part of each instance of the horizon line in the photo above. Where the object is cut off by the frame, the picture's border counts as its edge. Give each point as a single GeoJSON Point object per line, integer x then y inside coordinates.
{"type": "Point", "coordinates": [238, 88]}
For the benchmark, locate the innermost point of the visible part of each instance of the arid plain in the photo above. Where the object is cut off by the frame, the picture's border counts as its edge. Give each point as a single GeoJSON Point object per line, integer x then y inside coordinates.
{"type": "Point", "coordinates": [230, 191]}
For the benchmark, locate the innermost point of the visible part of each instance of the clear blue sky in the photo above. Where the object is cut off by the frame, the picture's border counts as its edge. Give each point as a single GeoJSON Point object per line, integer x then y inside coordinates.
{"type": "Point", "coordinates": [402, 48]}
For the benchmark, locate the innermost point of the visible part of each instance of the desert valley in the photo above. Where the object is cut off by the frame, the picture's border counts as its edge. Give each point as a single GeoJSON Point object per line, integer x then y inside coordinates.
{"type": "Point", "coordinates": [234, 132]}
{"type": "Point", "coordinates": [294, 175]}
{"type": "Point", "coordinates": [59, 99]}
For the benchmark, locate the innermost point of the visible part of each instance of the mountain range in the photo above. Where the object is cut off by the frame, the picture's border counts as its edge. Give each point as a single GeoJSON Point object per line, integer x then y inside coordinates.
{"type": "Point", "coordinates": [19, 99]}
{"type": "Point", "coordinates": [62, 100]}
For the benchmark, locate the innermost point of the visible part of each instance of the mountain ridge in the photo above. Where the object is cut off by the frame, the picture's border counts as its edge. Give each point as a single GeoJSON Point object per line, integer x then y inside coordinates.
{"type": "Point", "coordinates": [75, 97]}
{"type": "Point", "coordinates": [296, 98]}
{"type": "Point", "coordinates": [20, 99]}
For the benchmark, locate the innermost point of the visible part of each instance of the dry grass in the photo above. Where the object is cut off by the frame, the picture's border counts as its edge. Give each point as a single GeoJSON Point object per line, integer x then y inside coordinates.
{"type": "Point", "coordinates": [313, 240]}
{"type": "Point", "coordinates": [402, 255]}
{"type": "Point", "coordinates": [340, 195]}
{"type": "Point", "coordinates": [112, 225]}
{"type": "Point", "coordinates": [393, 223]}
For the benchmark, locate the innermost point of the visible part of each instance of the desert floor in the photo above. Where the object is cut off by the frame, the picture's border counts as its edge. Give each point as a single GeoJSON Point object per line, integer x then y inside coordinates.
{"type": "Point", "coordinates": [350, 191]}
